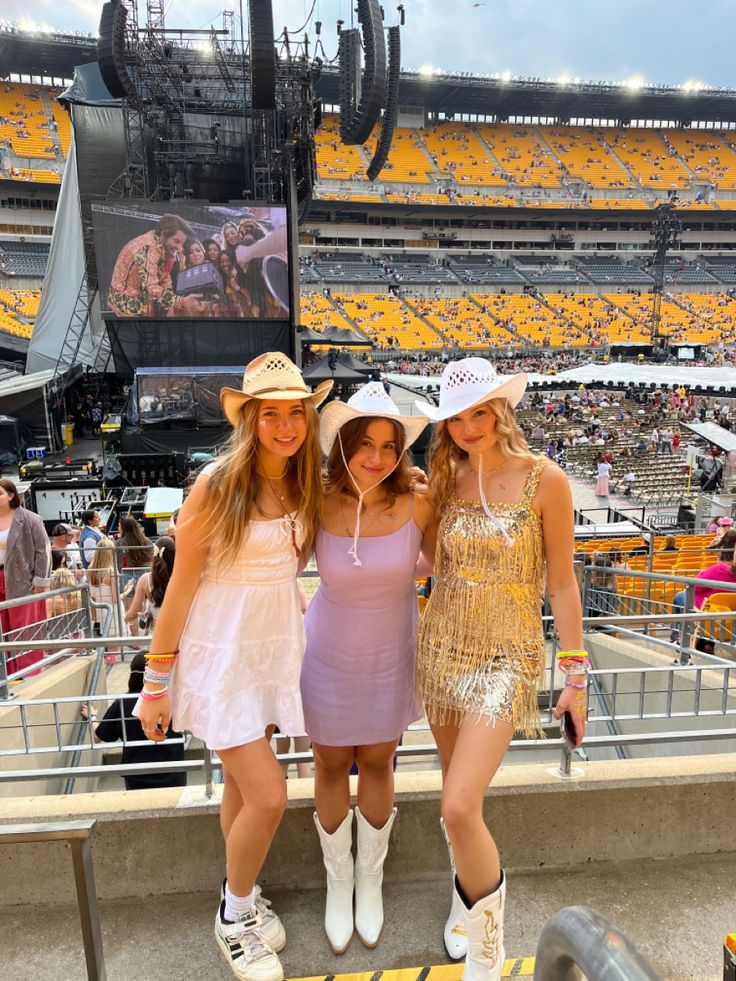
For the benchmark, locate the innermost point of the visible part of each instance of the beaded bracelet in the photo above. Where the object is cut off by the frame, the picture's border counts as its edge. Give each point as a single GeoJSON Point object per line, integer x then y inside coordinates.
{"type": "Point", "coordinates": [574, 665]}
{"type": "Point", "coordinates": [561, 654]}
{"type": "Point", "coordinates": [150, 675]}
{"type": "Point", "coordinates": [165, 656]}
{"type": "Point", "coordinates": [572, 684]}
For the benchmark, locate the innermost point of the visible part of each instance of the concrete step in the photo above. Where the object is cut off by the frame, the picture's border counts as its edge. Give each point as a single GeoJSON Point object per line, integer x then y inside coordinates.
{"type": "Point", "coordinates": [675, 911]}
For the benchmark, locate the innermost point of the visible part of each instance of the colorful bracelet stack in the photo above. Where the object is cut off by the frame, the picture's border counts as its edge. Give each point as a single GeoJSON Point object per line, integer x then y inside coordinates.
{"type": "Point", "coordinates": [152, 676]}
{"type": "Point", "coordinates": [573, 663]}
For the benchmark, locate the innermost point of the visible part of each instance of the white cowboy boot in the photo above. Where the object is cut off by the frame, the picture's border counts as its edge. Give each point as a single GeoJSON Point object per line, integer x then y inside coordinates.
{"type": "Point", "coordinates": [484, 923]}
{"type": "Point", "coordinates": [372, 851]}
{"type": "Point", "coordinates": [456, 938]}
{"type": "Point", "coordinates": [337, 852]}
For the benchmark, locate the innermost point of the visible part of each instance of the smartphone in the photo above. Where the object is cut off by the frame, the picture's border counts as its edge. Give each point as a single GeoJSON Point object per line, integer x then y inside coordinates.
{"type": "Point", "coordinates": [569, 732]}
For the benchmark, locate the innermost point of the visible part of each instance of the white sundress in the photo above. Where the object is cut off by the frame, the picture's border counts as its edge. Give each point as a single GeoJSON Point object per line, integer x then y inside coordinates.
{"type": "Point", "coordinates": [241, 650]}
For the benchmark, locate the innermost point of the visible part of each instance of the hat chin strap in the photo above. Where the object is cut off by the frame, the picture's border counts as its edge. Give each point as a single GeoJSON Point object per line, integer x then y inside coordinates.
{"type": "Point", "coordinates": [484, 504]}
{"type": "Point", "coordinates": [353, 550]}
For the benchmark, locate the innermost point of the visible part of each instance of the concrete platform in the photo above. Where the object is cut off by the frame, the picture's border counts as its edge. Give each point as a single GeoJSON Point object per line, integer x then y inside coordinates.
{"type": "Point", "coordinates": [676, 912]}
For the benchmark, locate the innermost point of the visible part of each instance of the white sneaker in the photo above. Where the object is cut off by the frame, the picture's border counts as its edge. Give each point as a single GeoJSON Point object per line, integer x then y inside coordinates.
{"type": "Point", "coordinates": [246, 949]}
{"type": "Point", "coordinates": [271, 926]}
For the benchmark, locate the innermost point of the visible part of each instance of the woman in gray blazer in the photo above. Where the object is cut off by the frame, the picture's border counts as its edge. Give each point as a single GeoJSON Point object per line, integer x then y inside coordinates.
{"type": "Point", "coordinates": [25, 567]}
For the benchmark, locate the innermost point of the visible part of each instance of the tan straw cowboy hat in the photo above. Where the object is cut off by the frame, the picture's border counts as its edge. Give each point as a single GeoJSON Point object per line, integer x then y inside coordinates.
{"type": "Point", "coordinates": [270, 376]}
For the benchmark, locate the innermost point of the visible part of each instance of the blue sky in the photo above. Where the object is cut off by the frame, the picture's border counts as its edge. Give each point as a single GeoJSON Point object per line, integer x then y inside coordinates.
{"type": "Point", "coordinates": [667, 42]}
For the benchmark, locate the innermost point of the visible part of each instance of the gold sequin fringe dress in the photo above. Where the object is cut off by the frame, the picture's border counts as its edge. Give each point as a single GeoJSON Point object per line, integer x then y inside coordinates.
{"type": "Point", "coordinates": [480, 650]}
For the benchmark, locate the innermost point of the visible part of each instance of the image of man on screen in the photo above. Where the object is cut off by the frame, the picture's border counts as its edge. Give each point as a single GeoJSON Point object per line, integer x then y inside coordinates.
{"type": "Point", "coordinates": [143, 281]}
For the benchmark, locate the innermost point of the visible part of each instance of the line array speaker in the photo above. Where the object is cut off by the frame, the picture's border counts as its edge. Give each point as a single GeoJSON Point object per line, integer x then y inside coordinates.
{"type": "Point", "coordinates": [373, 84]}
{"type": "Point", "coordinates": [349, 55]}
{"type": "Point", "coordinates": [391, 112]}
{"type": "Point", "coordinates": [111, 50]}
{"type": "Point", "coordinates": [262, 54]}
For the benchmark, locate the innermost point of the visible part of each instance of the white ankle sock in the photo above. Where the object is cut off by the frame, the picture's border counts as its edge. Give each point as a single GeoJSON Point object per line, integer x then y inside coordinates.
{"type": "Point", "coordinates": [237, 906]}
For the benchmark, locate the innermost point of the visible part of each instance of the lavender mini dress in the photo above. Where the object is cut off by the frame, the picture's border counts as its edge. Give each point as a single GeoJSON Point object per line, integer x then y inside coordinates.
{"type": "Point", "coordinates": [358, 671]}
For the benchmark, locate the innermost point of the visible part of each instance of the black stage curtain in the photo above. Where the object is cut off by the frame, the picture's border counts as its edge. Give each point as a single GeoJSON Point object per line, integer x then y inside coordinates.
{"type": "Point", "coordinates": [183, 343]}
{"type": "Point", "coordinates": [178, 441]}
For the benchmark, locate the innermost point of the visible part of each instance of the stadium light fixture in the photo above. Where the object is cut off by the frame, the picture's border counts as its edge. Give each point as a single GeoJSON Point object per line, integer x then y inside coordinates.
{"type": "Point", "coordinates": [635, 83]}
{"type": "Point", "coordinates": [427, 71]}
{"type": "Point", "coordinates": [692, 85]}
{"type": "Point", "coordinates": [563, 79]}
{"type": "Point", "coordinates": [505, 76]}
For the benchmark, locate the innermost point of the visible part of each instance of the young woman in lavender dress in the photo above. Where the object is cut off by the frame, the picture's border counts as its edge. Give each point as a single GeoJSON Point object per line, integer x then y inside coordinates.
{"type": "Point", "coordinates": [358, 671]}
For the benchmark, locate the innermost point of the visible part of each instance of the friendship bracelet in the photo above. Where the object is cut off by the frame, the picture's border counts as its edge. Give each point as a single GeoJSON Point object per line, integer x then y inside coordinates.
{"type": "Point", "coordinates": [163, 654]}
{"type": "Point", "coordinates": [573, 684]}
{"type": "Point", "coordinates": [150, 675]}
{"type": "Point", "coordinates": [153, 696]}
{"type": "Point", "coordinates": [575, 665]}
{"type": "Point", "coordinates": [561, 654]}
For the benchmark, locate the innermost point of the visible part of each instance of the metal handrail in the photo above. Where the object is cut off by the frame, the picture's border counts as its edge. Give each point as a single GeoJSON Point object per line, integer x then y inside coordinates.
{"type": "Point", "coordinates": [581, 943]}
{"type": "Point", "coordinates": [78, 834]}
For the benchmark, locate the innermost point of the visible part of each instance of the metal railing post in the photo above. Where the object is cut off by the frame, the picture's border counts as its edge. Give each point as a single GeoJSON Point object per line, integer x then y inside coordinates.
{"type": "Point", "coordinates": [686, 628]}
{"type": "Point", "coordinates": [209, 787]}
{"type": "Point", "coordinates": [89, 916]}
{"type": "Point", "coordinates": [5, 693]}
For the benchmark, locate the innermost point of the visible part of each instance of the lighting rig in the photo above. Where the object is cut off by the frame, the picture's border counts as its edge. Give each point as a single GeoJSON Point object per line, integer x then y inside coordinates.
{"type": "Point", "coordinates": [210, 115]}
{"type": "Point", "coordinates": [666, 232]}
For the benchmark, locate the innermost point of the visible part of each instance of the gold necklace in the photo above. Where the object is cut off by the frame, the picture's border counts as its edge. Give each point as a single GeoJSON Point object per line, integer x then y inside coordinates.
{"type": "Point", "coordinates": [291, 520]}
{"type": "Point", "coordinates": [272, 482]}
{"type": "Point", "coordinates": [489, 470]}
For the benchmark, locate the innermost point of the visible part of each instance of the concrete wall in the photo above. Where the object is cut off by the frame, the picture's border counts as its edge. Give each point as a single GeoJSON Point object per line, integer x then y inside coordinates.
{"type": "Point", "coordinates": [166, 842]}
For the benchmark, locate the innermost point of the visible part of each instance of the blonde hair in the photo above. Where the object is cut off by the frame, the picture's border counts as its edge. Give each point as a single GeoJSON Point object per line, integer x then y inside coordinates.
{"type": "Point", "coordinates": [233, 485]}
{"type": "Point", "coordinates": [102, 561]}
{"type": "Point", "coordinates": [445, 454]}
{"type": "Point", "coordinates": [62, 579]}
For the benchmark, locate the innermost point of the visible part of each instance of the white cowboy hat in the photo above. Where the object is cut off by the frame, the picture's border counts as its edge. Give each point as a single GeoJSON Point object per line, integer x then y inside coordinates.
{"type": "Point", "coordinates": [370, 400]}
{"type": "Point", "coordinates": [469, 382]}
{"type": "Point", "coordinates": [270, 376]}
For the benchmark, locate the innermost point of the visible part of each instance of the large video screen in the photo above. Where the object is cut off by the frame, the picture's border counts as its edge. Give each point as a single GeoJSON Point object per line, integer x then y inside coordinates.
{"type": "Point", "coordinates": [187, 260]}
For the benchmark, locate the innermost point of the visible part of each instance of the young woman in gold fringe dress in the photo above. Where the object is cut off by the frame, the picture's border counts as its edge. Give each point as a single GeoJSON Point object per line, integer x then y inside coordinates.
{"type": "Point", "coordinates": [505, 519]}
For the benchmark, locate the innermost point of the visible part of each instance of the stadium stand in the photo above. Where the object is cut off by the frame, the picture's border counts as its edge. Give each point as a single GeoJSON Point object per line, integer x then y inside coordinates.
{"type": "Point", "coordinates": [585, 156]}
{"type": "Point", "coordinates": [530, 320]}
{"type": "Point", "coordinates": [523, 156]}
{"type": "Point", "coordinates": [707, 155]}
{"type": "Point", "coordinates": [336, 160]}
{"type": "Point", "coordinates": [388, 321]}
{"type": "Point", "coordinates": [458, 153]}
{"type": "Point", "coordinates": [318, 312]}
{"type": "Point", "coordinates": [339, 267]}
{"type": "Point", "coordinates": [608, 270]}
{"type": "Point", "coordinates": [408, 161]}
{"type": "Point", "coordinates": [545, 269]}
{"type": "Point", "coordinates": [462, 322]}
{"type": "Point", "coordinates": [419, 270]}
{"type": "Point", "coordinates": [482, 270]}
{"type": "Point", "coordinates": [25, 125]}
{"type": "Point", "coordinates": [23, 258]}
{"type": "Point", "coordinates": [649, 157]}
{"type": "Point", "coordinates": [18, 309]}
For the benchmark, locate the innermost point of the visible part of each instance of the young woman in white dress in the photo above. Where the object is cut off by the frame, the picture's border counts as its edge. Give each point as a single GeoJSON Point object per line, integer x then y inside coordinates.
{"type": "Point", "coordinates": [230, 632]}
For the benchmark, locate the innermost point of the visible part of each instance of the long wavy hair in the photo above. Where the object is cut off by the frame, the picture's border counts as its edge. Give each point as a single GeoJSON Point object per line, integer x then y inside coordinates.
{"type": "Point", "coordinates": [337, 479]}
{"type": "Point", "coordinates": [445, 454]}
{"type": "Point", "coordinates": [161, 568]}
{"type": "Point", "coordinates": [102, 562]}
{"type": "Point", "coordinates": [233, 486]}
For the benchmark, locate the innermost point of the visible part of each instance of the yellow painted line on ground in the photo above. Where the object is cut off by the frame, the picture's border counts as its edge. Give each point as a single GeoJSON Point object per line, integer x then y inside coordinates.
{"type": "Point", "coordinates": [514, 967]}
